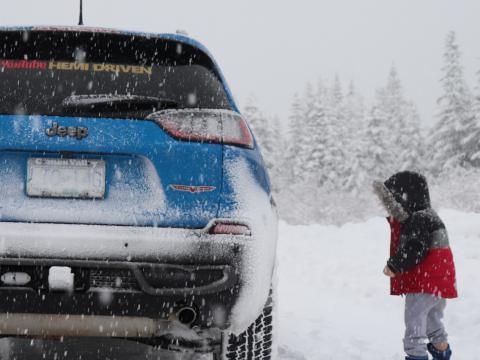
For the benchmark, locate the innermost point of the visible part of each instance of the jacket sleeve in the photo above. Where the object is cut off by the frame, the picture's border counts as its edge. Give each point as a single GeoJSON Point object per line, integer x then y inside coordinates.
{"type": "Point", "coordinates": [414, 249]}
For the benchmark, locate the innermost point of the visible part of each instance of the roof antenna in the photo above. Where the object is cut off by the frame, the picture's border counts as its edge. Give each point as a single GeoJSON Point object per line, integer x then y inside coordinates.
{"type": "Point", "coordinates": [80, 20]}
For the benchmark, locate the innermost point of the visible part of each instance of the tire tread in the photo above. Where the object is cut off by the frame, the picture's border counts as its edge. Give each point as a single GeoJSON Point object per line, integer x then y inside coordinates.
{"type": "Point", "coordinates": [256, 342]}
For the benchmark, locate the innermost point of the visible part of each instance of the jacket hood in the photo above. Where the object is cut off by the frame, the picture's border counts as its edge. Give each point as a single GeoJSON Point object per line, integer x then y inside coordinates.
{"type": "Point", "coordinates": [409, 189]}
{"type": "Point", "coordinates": [403, 194]}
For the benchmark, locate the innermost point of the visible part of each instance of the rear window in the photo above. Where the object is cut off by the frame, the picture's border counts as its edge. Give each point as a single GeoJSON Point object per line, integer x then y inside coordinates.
{"type": "Point", "coordinates": [103, 75]}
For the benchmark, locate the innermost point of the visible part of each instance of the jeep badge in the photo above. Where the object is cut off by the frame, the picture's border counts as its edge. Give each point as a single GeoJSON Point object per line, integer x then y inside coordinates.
{"type": "Point", "coordinates": [62, 131]}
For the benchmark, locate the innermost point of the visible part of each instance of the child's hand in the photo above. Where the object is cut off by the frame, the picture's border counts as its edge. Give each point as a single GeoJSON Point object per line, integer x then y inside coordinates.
{"type": "Point", "coordinates": [388, 272]}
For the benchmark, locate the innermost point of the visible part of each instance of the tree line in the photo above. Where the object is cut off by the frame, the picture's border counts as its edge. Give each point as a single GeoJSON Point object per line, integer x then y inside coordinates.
{"type": "Point", "coordinates": [322, 166]}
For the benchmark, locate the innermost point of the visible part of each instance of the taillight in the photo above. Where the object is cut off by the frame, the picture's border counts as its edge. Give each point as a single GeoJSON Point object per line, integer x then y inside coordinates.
{"type": "Point", "coordinates": [213, 126]}
{"type": "Point", "coordinates": [229, 228]}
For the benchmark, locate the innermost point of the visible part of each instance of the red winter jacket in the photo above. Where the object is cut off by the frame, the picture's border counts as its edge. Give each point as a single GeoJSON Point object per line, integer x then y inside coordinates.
{"type": "Point", "coordinates": [420, 254]}
{"type": "Point", "coordinates": [434, 273]}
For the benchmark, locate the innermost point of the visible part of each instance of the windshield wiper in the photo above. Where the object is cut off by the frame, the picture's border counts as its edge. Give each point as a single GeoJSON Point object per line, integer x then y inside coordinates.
{"type": "Point", "coordinates": [110, 105]}
{"type": "Point", "coordinates": [112, 100]}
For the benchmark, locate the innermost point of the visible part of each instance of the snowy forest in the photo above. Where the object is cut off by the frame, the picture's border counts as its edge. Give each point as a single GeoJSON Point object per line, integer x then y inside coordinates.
{"type": "Point", "coordinates": [322, 166]}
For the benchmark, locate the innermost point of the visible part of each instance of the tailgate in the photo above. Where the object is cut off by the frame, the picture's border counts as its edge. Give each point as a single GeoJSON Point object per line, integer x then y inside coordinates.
{"type": "Point", "coordinates": [151, 179]}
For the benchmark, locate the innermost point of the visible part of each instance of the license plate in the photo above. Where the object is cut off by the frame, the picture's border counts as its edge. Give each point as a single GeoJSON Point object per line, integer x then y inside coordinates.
{"type": "Point", "coordinates": [66, 178]}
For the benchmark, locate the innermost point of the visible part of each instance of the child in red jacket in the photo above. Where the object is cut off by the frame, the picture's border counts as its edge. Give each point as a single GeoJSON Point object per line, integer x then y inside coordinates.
{"type": "Point", "coordinates": [421, 265]}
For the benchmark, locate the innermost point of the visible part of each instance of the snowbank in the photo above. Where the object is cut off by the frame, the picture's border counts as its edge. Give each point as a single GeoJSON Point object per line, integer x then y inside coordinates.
{"type": "Point", "coordinates": [333, 297]}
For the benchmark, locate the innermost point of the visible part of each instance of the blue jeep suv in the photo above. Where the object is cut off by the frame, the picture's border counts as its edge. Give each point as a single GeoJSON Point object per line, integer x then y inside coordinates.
{"type": "Point", "coordinates": [134, 201]}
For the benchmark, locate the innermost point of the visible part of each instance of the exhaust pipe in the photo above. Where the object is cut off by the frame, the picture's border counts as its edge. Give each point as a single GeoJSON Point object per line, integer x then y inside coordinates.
{"type": "Point", "coordinates": [186, 315]}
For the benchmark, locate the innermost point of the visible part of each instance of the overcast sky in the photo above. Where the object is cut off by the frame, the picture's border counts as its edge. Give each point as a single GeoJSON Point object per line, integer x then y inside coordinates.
{"type": "Point", "coordinates": [271, 48]}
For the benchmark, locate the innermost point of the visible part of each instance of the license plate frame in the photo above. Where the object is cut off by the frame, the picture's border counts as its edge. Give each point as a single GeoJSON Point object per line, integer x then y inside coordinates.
{"type": "Point", "coordinates": [66, 178]}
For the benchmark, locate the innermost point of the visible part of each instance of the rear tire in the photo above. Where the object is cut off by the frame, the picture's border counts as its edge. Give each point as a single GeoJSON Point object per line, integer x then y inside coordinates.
{"type": "Point", "coordinates": [256, 343]}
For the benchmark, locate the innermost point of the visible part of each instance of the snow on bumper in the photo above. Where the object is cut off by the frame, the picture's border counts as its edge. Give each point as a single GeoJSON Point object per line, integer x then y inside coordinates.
{"type": "Point", "coordinates": [61, 244]}
{"type": "Point", "coordinates": [114, 243]}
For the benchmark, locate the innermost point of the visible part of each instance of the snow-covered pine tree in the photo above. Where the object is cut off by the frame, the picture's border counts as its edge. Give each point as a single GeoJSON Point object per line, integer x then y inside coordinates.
{"type": "Point", "coordinates": [378, 157]}
{"type": "Point", "coordinates": [406, 135]}
{"type": "Point", "coordinates": [297, 197]}
{"type": "Point", "coordinates": [254, 116]}
{"type": "Point", "coordinates": [393, 133]}
{"type": "Point", "coordinates": [263, 132]}
{"type": "Point", "coordinates": [355, 140]}
{"type": "Point", "coordinates": [306, 158]}
{"type": "Point", "coordinates": [455, 121]}
{"type": "Point", "coordinates": [277, 153]}
{"type": "Point", "coordinates": [324, 161]}
{"type": "Point", "coordinates": [317, 139]}
{"type": "Point", "coordinates": [334, 133]}
{"type": "Point", "coordinates": [411, 140]}
{"type": "Point", "coordinates": [296, 123]}
{"type": "Point", "coordinates": [472, 142]}
{"type": "Point", "coordinates": [336, 93]}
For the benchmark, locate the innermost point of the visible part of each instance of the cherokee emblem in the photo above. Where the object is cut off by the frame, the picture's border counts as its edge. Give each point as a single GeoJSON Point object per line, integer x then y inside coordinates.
{"type": "Point", "coordinates": [193, 189]}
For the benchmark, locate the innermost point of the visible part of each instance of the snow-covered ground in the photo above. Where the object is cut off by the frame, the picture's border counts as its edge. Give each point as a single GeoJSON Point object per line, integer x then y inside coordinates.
{"type": "Point", "coordinates": [333, 297]}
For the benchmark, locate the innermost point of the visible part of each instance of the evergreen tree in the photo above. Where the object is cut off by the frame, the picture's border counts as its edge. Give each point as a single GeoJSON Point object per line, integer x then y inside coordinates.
{"type": "Point", "coordinates": [393, 131]}
{"type": "Point", "coordinates": [317, 137]}
{"type": "Point", "coordinates": [336, 94]}
{"type": "Point", "coordinates": [269, 136]}
{"type": "Point", "coordinates": [472, 142]}
{"type": "Point", "coordinates": [455, 120]}
{"type": "Point", "coordinates": [378, 157]}
{"type": "Point", "coordinates": [307, 156]}
{"type": "Point", "coordinates": [335, 137]}
{"type": "Point", "coordinates": [355, 140]}
{"type": "Point", "coordinates": [261, 127]}
{"type": "Point", "coordinates": [255, 118]}
{"type": "Point", "coordinates": [411, 141]}
{"type": "Point", "coordinates": [296, 123]}
{"type": "Point", "coordinates": [278, 154]}
{"type": "Point", "coordinates": [405, 123]}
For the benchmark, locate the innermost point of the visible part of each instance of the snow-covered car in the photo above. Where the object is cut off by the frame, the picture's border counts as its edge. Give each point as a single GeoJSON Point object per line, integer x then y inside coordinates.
{"type": "Point", "coordinates": [134, 201]}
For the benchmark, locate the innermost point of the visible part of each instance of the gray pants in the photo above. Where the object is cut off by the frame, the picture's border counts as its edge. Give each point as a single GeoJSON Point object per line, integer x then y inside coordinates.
{"type": "Point", "coordinates": [424, 321]}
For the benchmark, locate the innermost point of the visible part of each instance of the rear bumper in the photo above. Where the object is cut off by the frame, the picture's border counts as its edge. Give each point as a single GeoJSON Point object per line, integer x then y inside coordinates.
{"type": "Point", "coordinates": [115, 243]}
{"type": "Point", "coordinates": [217, 261]}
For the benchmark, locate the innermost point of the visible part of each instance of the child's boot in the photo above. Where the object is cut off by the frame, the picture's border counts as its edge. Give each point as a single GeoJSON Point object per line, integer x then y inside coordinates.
{"type": "Point", "coordinates": [439, 355]}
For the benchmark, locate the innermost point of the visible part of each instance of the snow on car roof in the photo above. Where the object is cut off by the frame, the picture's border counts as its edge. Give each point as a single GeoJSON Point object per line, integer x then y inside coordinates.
{"type": "Point", "coordinates": [167, 36]}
